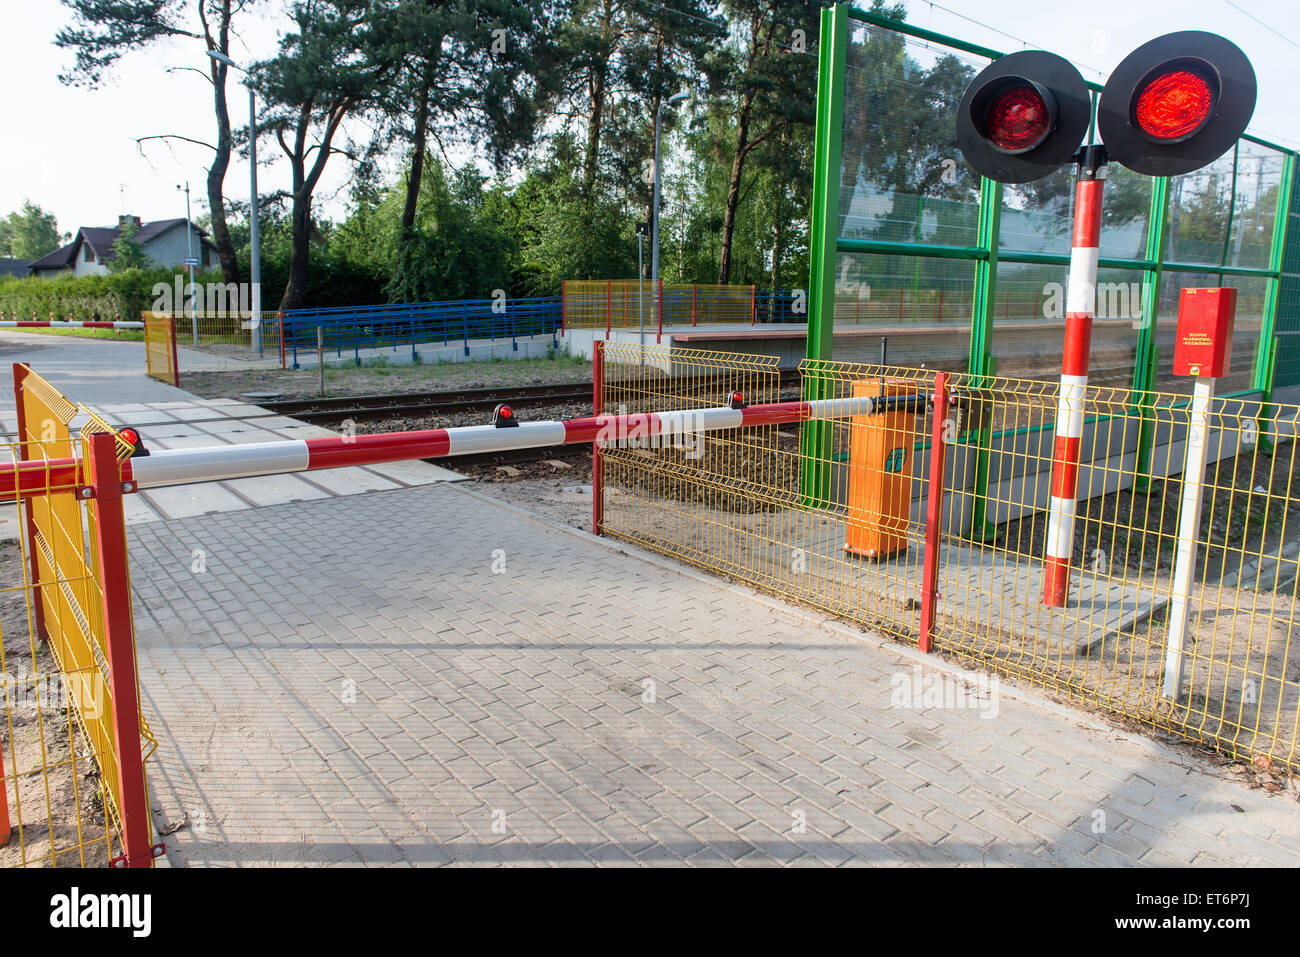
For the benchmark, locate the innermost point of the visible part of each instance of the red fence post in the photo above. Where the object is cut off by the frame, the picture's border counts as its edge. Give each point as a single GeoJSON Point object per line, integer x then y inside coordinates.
{"type": "Point", "coordinates": [753, 306]}
{"type": "Point", "coordinates": [563, 287]}
{"type": "Point", "coordinates": [119, 641]}
{"type": "Point", "coordinates": [597, 466]}
{"type": "Point", "coordinates": [933, 511]}
{"type": "Point", "coordinates": [609, 308]}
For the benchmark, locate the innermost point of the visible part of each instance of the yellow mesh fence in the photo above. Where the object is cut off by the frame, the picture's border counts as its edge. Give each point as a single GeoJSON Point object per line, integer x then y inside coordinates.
{"type": "Point", "coordinates": [226, 334]}
{"type": "Point", "coordinates": [60, 804]}
{"type": "Point", "coordinates": [160, 347]}
{"type": "Point", "coordinates": [832, 514]}
{"type": "Point", "coordinates": [624, 303]}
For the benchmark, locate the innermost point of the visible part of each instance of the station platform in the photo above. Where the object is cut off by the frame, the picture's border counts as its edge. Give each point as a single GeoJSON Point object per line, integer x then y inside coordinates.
{"type": "Point", "coordinates": [904, 344]}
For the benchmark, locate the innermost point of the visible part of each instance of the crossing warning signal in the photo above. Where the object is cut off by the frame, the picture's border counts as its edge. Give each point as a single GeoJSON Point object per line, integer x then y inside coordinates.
{"type": "Point", "coordinates": [1173, 105]}
{"type": "Point", "coordinates": [1023, 116]}
{"type": "Point", "coordinates": [1176, 103]}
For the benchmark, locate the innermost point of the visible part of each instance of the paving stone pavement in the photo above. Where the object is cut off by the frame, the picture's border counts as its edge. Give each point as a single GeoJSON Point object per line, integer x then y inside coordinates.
{"type": "Point", "coordinates": [428, 676]}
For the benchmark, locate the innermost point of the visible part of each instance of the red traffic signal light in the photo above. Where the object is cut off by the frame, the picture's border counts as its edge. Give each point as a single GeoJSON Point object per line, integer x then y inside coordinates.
{"type": "Point", "coordinates": [1173, 105]}
{"type": "Point", "coordinates": [1023, 116]}
{"type": "Point", "coordinates": [1018, 117]}
{"type": "Point", "coordinates": [1176, 103]}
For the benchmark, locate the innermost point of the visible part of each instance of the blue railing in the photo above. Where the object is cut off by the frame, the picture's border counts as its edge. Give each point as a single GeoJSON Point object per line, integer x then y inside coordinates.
{"type": "Point", "coordinates": [781, 305]}
{"type": "Point", "coordinates": [351, 329]}
{"type": "Point", "coordinates": [348, 330]}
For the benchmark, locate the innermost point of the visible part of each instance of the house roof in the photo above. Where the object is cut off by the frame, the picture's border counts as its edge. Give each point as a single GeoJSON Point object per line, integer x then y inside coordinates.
{"type": "Point", "coordinates": [15, 267]}
{"type": "Point", "coordinates": [61, 258]}
{"type": "Point", "coordinates": [101, 239]}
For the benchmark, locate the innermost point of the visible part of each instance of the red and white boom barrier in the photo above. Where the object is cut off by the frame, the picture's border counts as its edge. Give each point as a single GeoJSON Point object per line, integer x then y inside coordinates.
{"type": "Point", "coordinates": [61, 324]}
{"type": "Point", "coordinates": [217, 463]}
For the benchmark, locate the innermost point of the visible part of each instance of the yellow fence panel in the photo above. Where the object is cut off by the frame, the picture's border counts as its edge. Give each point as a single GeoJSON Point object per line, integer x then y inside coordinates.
{"type": "Point", "coordinates": [160, 347]}
{"type": "Point", "coordinates": [626, 303]}
{"type": "Point", "coordinates": [61, 801]}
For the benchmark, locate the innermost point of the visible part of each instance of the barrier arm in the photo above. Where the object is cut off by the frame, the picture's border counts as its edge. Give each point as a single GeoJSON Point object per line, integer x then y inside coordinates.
{"type": "Point", "coordinates": [221, 462]}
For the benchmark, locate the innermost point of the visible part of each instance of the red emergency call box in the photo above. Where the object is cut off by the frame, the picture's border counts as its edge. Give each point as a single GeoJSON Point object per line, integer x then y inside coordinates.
{"type": "Point", "coordinates": [1203, 346]}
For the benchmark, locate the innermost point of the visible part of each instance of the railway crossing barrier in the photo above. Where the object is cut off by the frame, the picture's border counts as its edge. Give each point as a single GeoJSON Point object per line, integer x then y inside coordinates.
{"type": "Point", "coordinates": [697, 455]}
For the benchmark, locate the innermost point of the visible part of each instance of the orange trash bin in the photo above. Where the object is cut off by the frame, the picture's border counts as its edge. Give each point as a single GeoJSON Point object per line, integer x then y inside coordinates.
{"type": "Point", "coordinates": [880, 471]}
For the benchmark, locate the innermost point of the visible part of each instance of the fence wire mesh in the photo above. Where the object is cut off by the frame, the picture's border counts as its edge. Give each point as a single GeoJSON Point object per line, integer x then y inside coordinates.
{"type": "Point", "coordinates": [838, 523]}
{"type": "Point", "coordinates": [626, 303]}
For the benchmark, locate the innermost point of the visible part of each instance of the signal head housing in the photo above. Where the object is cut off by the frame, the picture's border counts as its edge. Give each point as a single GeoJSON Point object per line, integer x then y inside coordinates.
{"type": "Point", "coordinates": [1023, 116]}
{"type": "Point", "coordinates": [1176, 103]}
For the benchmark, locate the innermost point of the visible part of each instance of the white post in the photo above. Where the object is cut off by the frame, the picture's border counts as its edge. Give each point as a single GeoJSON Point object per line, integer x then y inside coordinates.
{"type": "Point", "coordinates": [189, 247]}
{"type": "Point", "coordinates": [1189, 527]}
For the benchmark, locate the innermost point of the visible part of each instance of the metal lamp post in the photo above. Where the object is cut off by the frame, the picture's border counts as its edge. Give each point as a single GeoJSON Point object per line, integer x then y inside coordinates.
{"type": "Point", "coordinates": [254, 237]}
{"type": "Point", "coordinates": [654, 215]}
{"type": "Point", "coordinates": [191, 261]}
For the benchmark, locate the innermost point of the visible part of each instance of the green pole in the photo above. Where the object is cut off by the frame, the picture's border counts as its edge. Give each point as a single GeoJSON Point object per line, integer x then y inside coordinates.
{"type": "Point", "coordinates": [1266, 354]}
{"type": "Point", "coordinates": [1147, 356]}
{"type": "Point", "coordinates": [981, 364]}
{"type": "Point", "coordinates": [815, 452]}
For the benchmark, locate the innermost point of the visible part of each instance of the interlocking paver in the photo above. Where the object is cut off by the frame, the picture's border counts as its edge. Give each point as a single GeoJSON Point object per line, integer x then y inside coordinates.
{"type": "Point", "coordinates": [522, 693]}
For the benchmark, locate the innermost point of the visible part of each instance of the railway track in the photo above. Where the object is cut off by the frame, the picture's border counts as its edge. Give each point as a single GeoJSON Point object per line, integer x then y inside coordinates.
{"type": "Point", "coordinates": [362, 408]}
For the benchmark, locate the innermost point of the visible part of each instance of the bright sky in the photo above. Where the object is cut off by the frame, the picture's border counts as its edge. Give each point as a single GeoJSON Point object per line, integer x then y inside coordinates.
{"type": "Point", "coordinates": [74, 152]}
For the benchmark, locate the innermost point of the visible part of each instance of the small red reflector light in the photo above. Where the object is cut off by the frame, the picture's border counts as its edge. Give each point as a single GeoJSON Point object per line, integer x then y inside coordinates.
{"type": "Point", "coordinates": [1173, 105]}
{"type": "Point", "coordinates": [130, 435]}
{"type": "Point", "coordinates": [1017, 119]}
{"type": "Point", "coordinates": [736, 397]}
{"type": "Point", "coordinates": [505, 412]}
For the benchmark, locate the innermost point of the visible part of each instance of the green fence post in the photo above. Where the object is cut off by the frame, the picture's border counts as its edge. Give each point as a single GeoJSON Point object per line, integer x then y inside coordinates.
{"type": "Point", "coordinates": [981, 363]}
{"type": "Point", "coordinates": [1146, 354]}
{"type": "Point", "coordinates": [815, 451]}
{"type": "Point", "coordinates": [1266, 355]}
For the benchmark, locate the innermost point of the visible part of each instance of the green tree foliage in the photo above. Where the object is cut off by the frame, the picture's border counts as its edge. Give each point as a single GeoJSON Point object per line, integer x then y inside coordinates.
{"type": "Point", "coordinates": [124, 294]}
{"type": "Point", "coordinates": [128, 254]}
{"type": "Point", "coordinates": [564, 232]}
{"type": "Point", "coordinates": [763, 82]}
{"type": "Point", "coordinates": [29, 233]}
{"type": "Point", "coordinates": [330, 66]}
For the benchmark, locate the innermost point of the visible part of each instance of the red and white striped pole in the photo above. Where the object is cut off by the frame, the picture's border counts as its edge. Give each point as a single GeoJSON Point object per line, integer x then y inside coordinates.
{"type": "Point", "coordinates": [1080, 302]}
{"type": "Point", "coordinates": [66, 324]}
